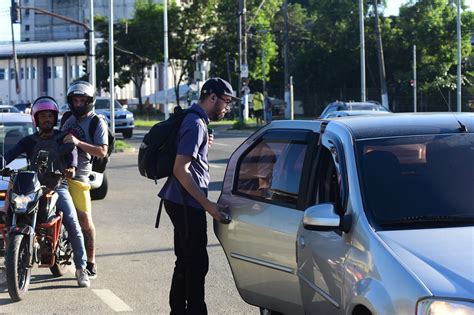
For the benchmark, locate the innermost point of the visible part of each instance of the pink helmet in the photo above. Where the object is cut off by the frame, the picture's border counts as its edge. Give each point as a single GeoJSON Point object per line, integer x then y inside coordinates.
{"type": "Point", "coordinates": [43, 103]}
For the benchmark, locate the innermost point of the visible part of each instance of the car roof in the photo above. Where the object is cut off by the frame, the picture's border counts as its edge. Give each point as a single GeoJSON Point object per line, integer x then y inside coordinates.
{"type": "Point", "coordinates": [14, 117]}
{"type": "Point", "coordinates": [358, 112]}
{"type": "Point", "coordinates": [390, 125]}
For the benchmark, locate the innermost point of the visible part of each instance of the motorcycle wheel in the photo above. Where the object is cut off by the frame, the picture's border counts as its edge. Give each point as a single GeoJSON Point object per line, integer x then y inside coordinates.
{"type": "Point", "coordinates": [18, 272]}
{"type": "Point", "coordinates": [63, 254]}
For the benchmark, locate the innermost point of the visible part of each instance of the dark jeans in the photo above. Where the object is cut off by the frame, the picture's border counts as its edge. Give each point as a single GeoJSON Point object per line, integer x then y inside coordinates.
{"type": "Point", "coordinates": [192, 261]}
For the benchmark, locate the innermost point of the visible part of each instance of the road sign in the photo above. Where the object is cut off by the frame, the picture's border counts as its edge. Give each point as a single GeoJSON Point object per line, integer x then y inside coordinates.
{"type": "Point", "coordinates": [244, 71]}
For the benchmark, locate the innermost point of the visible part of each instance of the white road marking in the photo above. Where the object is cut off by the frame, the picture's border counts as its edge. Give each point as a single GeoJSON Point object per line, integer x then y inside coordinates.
{"type": "Point", "coordinates": [113, 301]}
{"type": "Point", "coordinates": [215, 166]}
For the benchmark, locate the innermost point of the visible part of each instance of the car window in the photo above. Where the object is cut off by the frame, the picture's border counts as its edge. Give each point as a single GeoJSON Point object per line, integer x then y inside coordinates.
{"type": "Point", "coordinates": [418, 176]}
{"type": "Point", "coordinates": [329, 180]}
{"type": "Point", "coordinates": [104, 104]}
{"type": "Point", "coordinates": [272, 170]}
{"type": "Point", "coordinates": [11, 133]}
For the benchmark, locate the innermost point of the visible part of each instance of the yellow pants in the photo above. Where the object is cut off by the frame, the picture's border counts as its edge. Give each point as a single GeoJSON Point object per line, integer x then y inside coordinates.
{"type": "Point", "coordinates": [80, 193]}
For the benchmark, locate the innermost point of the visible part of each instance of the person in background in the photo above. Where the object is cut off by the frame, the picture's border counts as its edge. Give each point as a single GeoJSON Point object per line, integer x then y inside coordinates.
{"type": "Point", "coordinates": [81, 99]}
{"type": "Point", "coordinates": [268, 108]}
{"type": "Point", "coordinates": [257, 101]}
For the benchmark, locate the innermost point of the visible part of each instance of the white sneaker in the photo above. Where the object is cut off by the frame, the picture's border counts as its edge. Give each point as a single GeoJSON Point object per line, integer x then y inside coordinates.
{"type": "Point", "coordinates": [82, 278]}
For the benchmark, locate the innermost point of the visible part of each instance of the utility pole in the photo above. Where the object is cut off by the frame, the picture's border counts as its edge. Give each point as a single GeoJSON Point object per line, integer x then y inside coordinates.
{"type": "Point", "coordinates": [362, 52]}
{"type": "Point", "coordinates": [92, 74]}
{"type": "Point", "coordinates": [285, 55]}
{"type": "Point", "coordinates": [239, 90]}
{"type": "Point", "coordinates": [245, 68]}
{"type": "Point", "coordinates": [414, 78]}
{"type": "Point", "coordinates": [378, 37]}
{"type": "Point", "coordinates": [15, 16]}
{"type": "Point", "coordinates": [111, 66]}
{"type": "Point", "coordinates": [165, 30]}
{"type": "Point", "coordinates": [458, 81]}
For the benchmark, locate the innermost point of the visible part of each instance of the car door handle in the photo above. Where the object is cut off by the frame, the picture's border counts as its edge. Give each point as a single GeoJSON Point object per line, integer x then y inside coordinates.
{"type": "Point", "coordinates": [226, 218]}
{"type": "Point", "coordinates": [302, 241]}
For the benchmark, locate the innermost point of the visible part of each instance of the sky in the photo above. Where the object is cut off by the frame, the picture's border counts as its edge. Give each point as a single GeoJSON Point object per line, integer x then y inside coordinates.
{"type": "Point", "coordinates": [5, 29]}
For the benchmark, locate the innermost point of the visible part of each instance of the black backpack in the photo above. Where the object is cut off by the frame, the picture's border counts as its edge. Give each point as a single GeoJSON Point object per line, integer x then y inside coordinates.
{"type": "Point", "coordinates": [157, 152]}
{"type": "Point", "coordinates": [98, 163]}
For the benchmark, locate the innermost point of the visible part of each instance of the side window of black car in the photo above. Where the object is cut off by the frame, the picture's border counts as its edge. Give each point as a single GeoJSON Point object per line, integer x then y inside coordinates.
{"type": "Point", "coordinates": [272, 170]}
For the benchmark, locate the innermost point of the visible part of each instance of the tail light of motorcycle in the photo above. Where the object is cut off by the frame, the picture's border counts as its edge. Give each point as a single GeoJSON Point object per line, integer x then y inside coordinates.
{"type": "Point", "coordinates": [3, 194]}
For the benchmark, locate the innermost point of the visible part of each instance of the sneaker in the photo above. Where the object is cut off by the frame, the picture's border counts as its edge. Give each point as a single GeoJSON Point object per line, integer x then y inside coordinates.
{"type": "Point", "coordinates": [82, 278]}
{"type": "Point", "coordinates": [91, 270]}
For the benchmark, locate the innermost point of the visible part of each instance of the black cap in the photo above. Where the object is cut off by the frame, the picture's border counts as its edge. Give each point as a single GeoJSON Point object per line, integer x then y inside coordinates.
{"type": "Point", "coordinates": [219, 87]}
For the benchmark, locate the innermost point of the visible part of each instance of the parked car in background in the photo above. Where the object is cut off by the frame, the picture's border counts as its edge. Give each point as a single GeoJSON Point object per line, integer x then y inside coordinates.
{"type": "Point", "coordinates": [13, 127]}
{"type": "Point", "coordinates": [347, 106]}
{"type": "Point", "coordinates": [124, 120]}
{"type": "Point", "coordinates": [354, 215]}
{"type": "Point", "coordinates": [23, 107]}
{"type": "Point", "coordinates": [8, 109]}
{"type": "Point", "coordinates": [345, 113]}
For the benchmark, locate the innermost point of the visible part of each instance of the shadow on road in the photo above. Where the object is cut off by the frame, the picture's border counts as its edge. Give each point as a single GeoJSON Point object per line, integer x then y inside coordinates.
{"type": "Point", "coordinates": [169, 249]}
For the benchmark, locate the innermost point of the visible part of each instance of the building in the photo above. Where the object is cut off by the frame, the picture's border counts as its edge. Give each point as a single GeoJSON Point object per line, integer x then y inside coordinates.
{"type": "Point", "coordinates": [47, 68]}
{"type": "Point", "coordinates": [39, 27]}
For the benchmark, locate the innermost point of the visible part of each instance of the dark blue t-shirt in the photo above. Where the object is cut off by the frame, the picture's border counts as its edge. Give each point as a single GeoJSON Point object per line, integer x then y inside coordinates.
{"type": "Point", "coordinates": [192, 141]}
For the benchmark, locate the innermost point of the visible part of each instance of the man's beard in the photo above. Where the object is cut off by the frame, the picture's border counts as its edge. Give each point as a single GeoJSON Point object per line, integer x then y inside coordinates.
{"type": "Point", "coordinates": [47, 127]}
{"type": "Point", "coordinates": [216, 116]}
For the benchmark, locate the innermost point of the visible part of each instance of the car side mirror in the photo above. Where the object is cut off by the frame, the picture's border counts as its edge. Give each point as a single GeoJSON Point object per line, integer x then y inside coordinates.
{"type": "Point", "coordinates": [323, 217]}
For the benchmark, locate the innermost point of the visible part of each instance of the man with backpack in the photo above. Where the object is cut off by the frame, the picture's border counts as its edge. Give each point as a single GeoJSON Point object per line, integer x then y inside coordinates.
{"type": "Point", "coordinates": [185, 197]}
{"type": "Point", "coordinates": [81, 99]}
{"type": "Point", "coordinates": [61, 157]}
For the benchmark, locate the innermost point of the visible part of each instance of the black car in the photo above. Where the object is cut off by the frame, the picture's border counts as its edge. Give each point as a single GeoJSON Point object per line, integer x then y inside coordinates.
{"type": "Point", "coordinates": [338, 106]}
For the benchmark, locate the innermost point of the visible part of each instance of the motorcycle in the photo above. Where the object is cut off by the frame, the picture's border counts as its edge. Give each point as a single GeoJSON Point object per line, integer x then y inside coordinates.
{"type": "Point", "coordinates": [33, 230]}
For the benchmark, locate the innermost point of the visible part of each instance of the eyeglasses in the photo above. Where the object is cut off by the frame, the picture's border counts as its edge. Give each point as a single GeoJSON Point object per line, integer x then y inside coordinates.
{"type": "Point", "coordinates": [227, 102]}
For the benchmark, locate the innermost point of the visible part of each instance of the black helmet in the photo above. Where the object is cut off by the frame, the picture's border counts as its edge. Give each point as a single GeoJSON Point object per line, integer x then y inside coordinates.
{"type": "Point", "coordinates": [82, 88]}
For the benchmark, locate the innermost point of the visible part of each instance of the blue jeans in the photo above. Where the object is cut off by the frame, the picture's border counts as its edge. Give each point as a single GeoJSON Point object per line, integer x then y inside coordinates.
{"type": "Point", "coordinates": [268, 116]}
{"type": "Point", "coordinates": [71, 223]}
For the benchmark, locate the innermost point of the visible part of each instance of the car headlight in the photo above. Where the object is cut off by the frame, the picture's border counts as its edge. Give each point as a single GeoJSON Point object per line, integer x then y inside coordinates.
{"type": "Point", "coordinates": [444, 306]}
{"type": "Point", "coordinates": [21, 201]}
{"type": "Point", "coordinates": [129, 116]}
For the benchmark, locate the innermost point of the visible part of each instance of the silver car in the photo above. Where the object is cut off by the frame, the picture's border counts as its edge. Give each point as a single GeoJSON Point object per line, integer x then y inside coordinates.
{"type": "Point", "coordinates": [13, 127]}
{"type": "Point", "coordinates": [354, 215]}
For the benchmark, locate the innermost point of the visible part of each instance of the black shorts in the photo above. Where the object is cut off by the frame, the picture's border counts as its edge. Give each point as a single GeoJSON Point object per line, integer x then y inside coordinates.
{"type": "Point", "coordinates": [258, 113]}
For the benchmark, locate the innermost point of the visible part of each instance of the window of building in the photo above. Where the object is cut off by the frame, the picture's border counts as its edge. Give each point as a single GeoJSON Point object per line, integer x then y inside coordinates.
{"type": "Point", "coordinates": [33, 72]}
{"type": "Point", "coordinates": [58, 72]}
{"type": "Point", "coordinates": [27, 39]}
{"type": "Point", "coordinates": [71, 72]}
{"type": "Point", "coordinates": [27, 28]}
{"type": "Point", "coordinates": [27, 11]}
{"type": "Point", "coordinates": [49, 72]}
{"type": "Point", "coordinates": [2, 74]}
{"type": "Point", "coordinates": [27, 72]}
{"type": "Point", "coordinates": [12, 74]}
{"type": "Point", "coordinates": [22, 73]}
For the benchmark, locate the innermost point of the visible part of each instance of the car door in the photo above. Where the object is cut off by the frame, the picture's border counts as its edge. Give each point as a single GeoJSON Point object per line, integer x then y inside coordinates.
{"type": "Point", "coordinates": [264, 188]}
{"type": "Point", "coordinates": [321, 254]}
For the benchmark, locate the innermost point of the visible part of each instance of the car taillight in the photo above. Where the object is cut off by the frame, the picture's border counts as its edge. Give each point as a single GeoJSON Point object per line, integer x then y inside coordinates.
{"type": "Point", "coordinates": [3, 194]}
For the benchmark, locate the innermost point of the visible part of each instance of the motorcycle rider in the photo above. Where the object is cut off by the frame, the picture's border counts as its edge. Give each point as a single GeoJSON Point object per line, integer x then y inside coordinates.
{"type": "Point", "coordinates": [81, 99]}
{"type": "Point", "coordinates": [44, 114]}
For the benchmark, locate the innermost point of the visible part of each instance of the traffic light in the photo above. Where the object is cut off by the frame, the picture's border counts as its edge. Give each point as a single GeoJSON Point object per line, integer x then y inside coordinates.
{"type": "Point", "coordinates": [84, 66]}
{"type": "Point", "coordinates": [87, 43]}
{"type": "Point", "coordinates": [15, 12]}
{"type": "Point", "coordinates": [412, 83]}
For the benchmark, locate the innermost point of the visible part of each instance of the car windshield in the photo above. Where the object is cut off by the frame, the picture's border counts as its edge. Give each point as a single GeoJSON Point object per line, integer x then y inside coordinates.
{"type": "Point", "coordinates": [418, 181]}
{"type": "Point", "coordinates": [12, 132]}
{"type": "Point", "coordinates": [372, 107]}
{"type": "Point", "coordinates": [104, 104]}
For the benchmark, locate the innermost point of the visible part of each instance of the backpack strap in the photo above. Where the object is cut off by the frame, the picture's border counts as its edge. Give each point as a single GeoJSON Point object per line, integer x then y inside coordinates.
{"type": "Point", "coordinates": [64, 117]}
{"type": "Point", "coordinates": [93, 126]}
{"type": "Point", "coordinates": [158, 215]}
